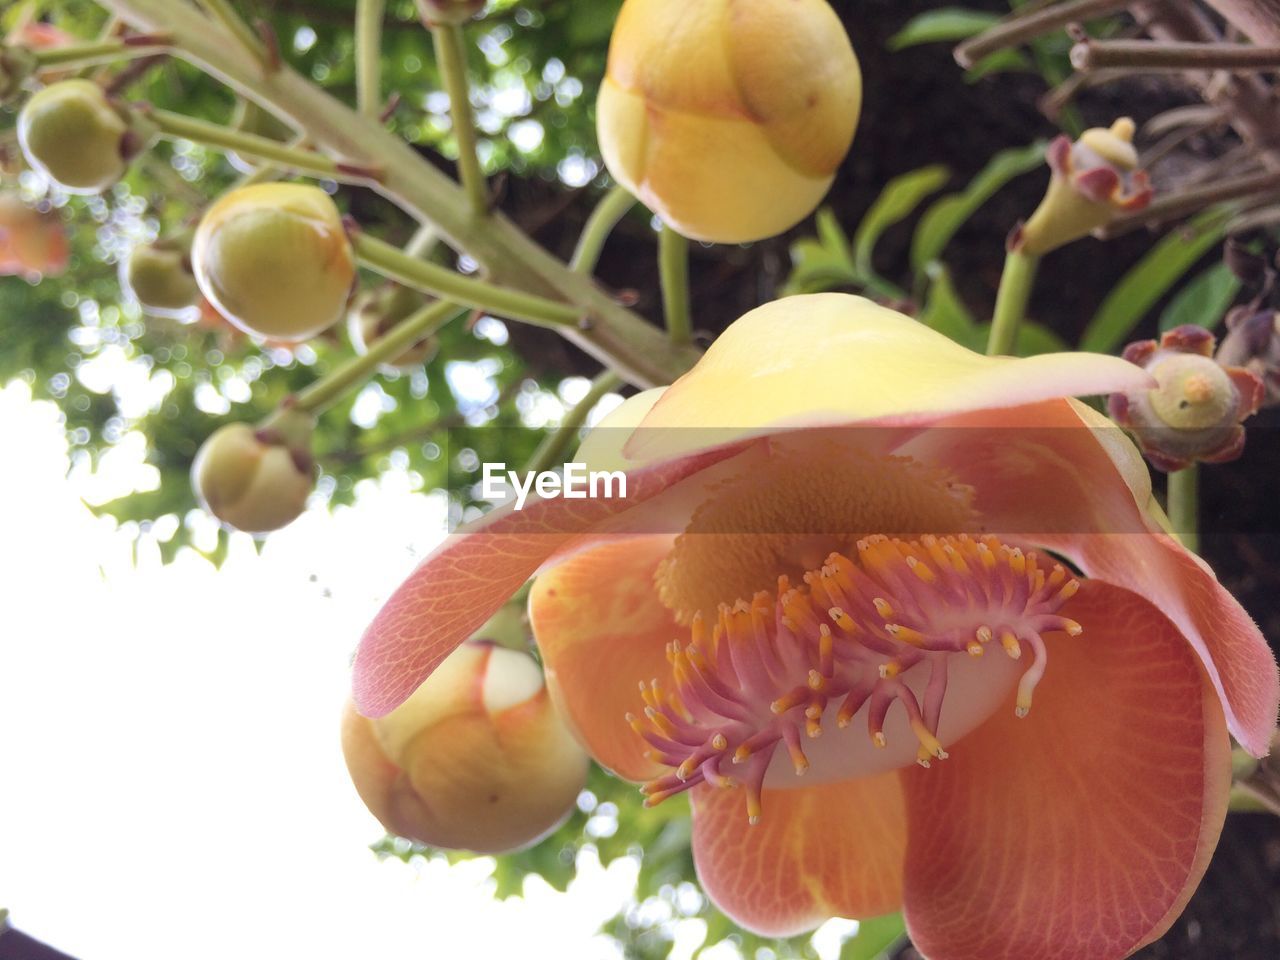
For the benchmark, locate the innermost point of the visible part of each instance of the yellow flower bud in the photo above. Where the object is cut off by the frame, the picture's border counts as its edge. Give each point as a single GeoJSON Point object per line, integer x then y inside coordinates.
{"type": "Point", "coordinates": [159, 277]}
{"type": "Point", "coordinates": [250, 480]}
{"type": "Point", "coordinates": [274, 259]}
{"type": "Point", "coordinates": [476, 759]}
{"type": "Point", "coordinates": [449, 11]}
{"type": "Point", "coordinates": [376, 312]}
{"type": "Point", "coordinates": [728, 119]}
{"type": "Point", "coordinates": [76, 136]}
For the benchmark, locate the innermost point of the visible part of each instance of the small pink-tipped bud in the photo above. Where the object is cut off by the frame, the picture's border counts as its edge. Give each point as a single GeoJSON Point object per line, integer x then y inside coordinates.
{"type": "Point", "coordinates": [1195, 412]}
{"type": "Point", "coordinates": [1094, 179]}
{"type": "Point", "coordinates": [32, 244]}
{"type": "Point", "coordinates": [77, 136]}
{"type": "Point", "coordinates": [255, 480]}
{"type": "Point", "coordinates": [449, 11]}
{"type": "Point", "coordinates": [275, 260]}
{"type": "Point", "coordinates": [476, 759]}
{"type": "Point", "coordinates": [376, 312]}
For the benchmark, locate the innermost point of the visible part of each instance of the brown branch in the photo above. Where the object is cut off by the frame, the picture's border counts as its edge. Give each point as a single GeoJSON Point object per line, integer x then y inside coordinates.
{"type": "Point", "coordinates": [1155, 55]}
{"type": "Point", "coordinates": [1027, 26]}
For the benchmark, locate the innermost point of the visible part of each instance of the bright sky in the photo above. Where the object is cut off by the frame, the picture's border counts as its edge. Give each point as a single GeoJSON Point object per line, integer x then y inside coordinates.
{"type": "Point", "coordinates": [170, 777]}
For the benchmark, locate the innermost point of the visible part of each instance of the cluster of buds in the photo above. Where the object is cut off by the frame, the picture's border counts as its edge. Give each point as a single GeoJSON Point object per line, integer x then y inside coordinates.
{"type": "Point", "coordinates": [79, 137]}
{"type": "Point", "coordinates": [476, 759]}
{"type": "Point", "coordinates": [1095, 179]}
{"type": "Point", "coordinates": [1195, 411]}
{"type": "Point", "coordinates": [728, 120]}
{"type": "Point", "coordinates": [275, 260]}
{"type": "Point", "coordinates": [257, 479]}
{"type": "Point", "coordinates": [32, 243]}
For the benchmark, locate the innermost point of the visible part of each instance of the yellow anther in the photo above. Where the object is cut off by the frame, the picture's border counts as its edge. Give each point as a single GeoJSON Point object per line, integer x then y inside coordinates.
{"type": "Point", "coordinates": [742, 754]}
{"type": "Point", "coordinates": [890, 669]}
{"type": "Point", "coordinates": [983, 634]}
{"type": "Point", "coordinates": [921, 570]}
{"type": "Point", "coordinates": [974, 648]}
{"type": "Point", "coordinates": [878, 738]}
{"type": "Point", "coordinates": [986, 557]}
{"type": "Point", "coordinates": [905, 634]}
{"type": "Point", "coordinates": [659, 720]}
{"type": "Point", "coordinates": [882, 607]}
{"type": "Point", "coordinates": [789, 700]}
{"type": "Point", "coordinates": [798, 760]}
{"type": "Point", "coordinates": [1017, 561]}
{"type": "Point", "coordinates": [753, 807]}
{"type": "Point", "coordinates": [1069, 590]}
{"type": "Point", "coordinates": [686, 769]}
{"type": "Point", "coordinates": [956, 559]}
{"type": "Point", "coordinates": [928, 742]}
{"type": "Point", "coordinates": [817, 681]}
{"type": "Point", "coordinates": [1073, 629]}
{"type": "Point", "coordinates": [1057, 576]}
{"type": "Point", "coordinates": [719, 742]}
{"type": "Point", "coordinates": [1011, 645]}
{"type": "Point", "coordinates": [1023, 706]}
{"type": "Point", "coordinates": [813, 727]}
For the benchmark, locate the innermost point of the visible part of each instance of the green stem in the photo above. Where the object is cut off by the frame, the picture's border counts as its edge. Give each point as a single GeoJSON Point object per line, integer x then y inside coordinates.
{"type": "Point", "coordinates": [673, 270]}
{"type": "Point", "coordinates": [369, 55]}
{"type": "Point", "coordinates": [613, 206]}
{"type": "Point", "coordinates": [411, 330]}
{"type": "Point", "coordinates": [226, 14]}
{"type": "Point", "coordinates": [251, 145]}
{"type": "Point", "coordinates": [1016, 283]}
{"type": "Point", "coordinates": [102, 51]}
{"type": "Point", "coordinates": [432, 278]}
{"type": "Point", "coordinates": [451, 58]}
{"type": "Point", "coordinates": [551, 451]}
{"type": "Point", "coordinates": [1184, 506]}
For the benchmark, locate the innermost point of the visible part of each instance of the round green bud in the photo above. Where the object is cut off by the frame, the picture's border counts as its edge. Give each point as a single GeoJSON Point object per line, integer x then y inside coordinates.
{"type": "Point", "coordinates": [274, 259]}
{"type": "Point", "coordinates": [72, 133]}
{"type": "Point", "coordinates": [159, 276]}
{"type": "Point", "coordinates": [249, 483]}
{"type": "Point", "coordinates": [376, 312]}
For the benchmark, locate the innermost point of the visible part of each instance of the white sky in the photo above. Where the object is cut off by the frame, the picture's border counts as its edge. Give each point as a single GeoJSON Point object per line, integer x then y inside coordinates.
{"type": "Point", "coordinates": [171, 783]}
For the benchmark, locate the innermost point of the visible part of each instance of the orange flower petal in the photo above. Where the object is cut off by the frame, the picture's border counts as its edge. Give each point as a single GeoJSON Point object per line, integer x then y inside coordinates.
{"type": "Point", "coordinates": [602, 631]}
{"type": "Point", "coordinates": [826, 359]}
{"type": "Point", "coordinates": [834, 850]}
{"type": "Point", "coordinates": [1064, 477]}
{"type": "Point", "coordinates": [456, 589]}
{"type": "Point", "coordinates": [1082, 830]}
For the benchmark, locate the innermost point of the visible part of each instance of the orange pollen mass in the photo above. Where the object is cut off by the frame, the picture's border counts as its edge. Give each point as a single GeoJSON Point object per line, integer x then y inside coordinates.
{"type": "Point", "coordinates": [763, 675]}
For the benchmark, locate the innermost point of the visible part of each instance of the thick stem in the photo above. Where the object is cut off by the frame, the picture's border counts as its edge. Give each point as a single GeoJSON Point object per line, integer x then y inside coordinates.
{"type": "Point", "coordinates": [1016, 283]}
{"type": "Point", "coordinates": [551, 451]}
{"type": "Point", "coordinates": [411, 330]}
{"type": "Point", "coordinates": [249, 144]}
{"type": "Point", "coordinates": [613, 334]}
{"type": "Point", "coordinates": [613, 206]}
{"type": "Point", "coordinates": [452, 60]}
{"type": "Point", "coordinates": [369, 55]}
{"type": "Point", "coordinates": [432, 278]}
{"type": "Point", "coordinates": [102, 51]}
{"type": "Point", "coordinates": [1020, 28]}
{"type": "Point", "coordinates": [1153, 55]}
{"type": "Point", "coordinates": [673, 268]}
{"type": "Point", "coordinates": [244, 35]}
{"type": "Point", "coordinates": [1183, 505]}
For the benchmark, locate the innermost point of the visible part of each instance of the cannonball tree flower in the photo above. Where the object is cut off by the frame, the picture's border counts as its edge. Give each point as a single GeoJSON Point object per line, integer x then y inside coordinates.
{"type": "Point", "coordinates": [476, 759]}
{"type": "Point", "coordinates": [32, 243]}
{"type": "Point", "coordinates": [1196, 409]}
{"type": "Point", "coordinates": [709, 105]}
{"type": "Point", "coordinates": [904, 622]}
{"type": "Point", "coordinates": [256, 479]}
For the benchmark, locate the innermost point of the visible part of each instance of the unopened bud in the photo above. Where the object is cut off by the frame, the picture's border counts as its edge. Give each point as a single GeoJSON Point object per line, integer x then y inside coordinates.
{"type": "Point", "coordinates": [1195, 412]}
{"type": "Point", "coordinates": [376, 312]}
{"type": "Point", "coordinates": [1094, 179]}
{"type": "Point", "coordinates": [254, 480]}
{"type": "Point", "coordinates": [78, 137]}
{"type": "Point", "coordinates": [476, 759]}
{"type": "Point", "coordinates": [159, 277]}
{"type": "Point", "coordinates": [275, 260]}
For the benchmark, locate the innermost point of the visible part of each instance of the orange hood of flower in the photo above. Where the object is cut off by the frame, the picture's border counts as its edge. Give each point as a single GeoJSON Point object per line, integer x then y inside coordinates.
{"type": "Point", "coordinates": [910, 493]}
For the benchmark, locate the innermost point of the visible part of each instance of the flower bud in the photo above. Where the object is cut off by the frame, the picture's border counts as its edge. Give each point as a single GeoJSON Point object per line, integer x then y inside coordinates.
{"type": "Point", "coordinates": [1094, 179]}
{"type": "Point", "coordinates": [275, 260]}
{"type": "Point", "coordinates": [1253, 342]}
{"type": "Point", "coordinates": [377, 312]}
{"type": "Point", "coordinates": [476, 759]}
{"type": "Point", "coordinates": [76, 136]}
{"type": "Point", "coordinates": [159, 277]}
{"type": "Point", "coordinates": [254, 480]}
{"type": "Point", "coordinates": [448, 11]}
{"type": "Point", "coordinates": [251, 118]}
{"type": "Point", "coordinates": [1194, 413]}
{"type": "Point", "coordinates": [32, 244]}
{"type": "Point", "coordinates": [728, 119]}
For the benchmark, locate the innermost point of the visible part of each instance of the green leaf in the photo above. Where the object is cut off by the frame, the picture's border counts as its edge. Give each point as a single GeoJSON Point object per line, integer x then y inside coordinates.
{"type": "Point", "coordinates": [874, 938]}
{"type": "Point", "coordinates": [1149, 280]}
{"type": "Point", "coordinates": [1002, 61]}
{"type": "Point", "coordinates": [1203, 301]}
{"type": "Point", "coordinates": [944, 217]}
{"type": "Point", "coordinates": [937, 26]}
{"type": "Point", "coordinates": [900, 196]}
{"type": "Point", "coordinates": [944, 311]}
